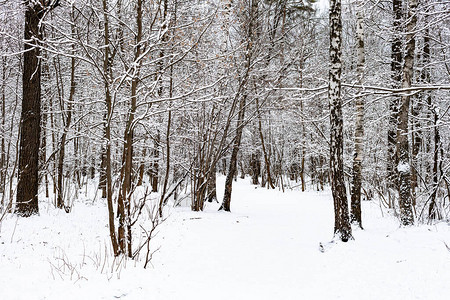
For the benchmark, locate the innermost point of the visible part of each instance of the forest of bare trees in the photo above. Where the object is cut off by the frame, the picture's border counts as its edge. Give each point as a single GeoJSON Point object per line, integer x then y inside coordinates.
{"type": "Point", "coordinates": [150, 100]}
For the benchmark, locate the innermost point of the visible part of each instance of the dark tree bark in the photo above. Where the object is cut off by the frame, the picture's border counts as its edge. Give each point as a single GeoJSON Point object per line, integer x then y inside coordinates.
{"type": "Point", "coordinates": [416, 140]}
{"type": "Point", "coordinates": [2, 146]}
{"type": "Point", "coordinates": [255, 165]}
{"type": "Point", "coordinates": [241, 112]}
{"type": "Point", "coordinates": [28, 184]}
{"type": "Point", "coordinates": [164, 197]}
{"type": "Point", "coordinates": [67, 123]}
{"type": "Point", "coordinates": [342, 228]}
{"type": "Point", "coordinates": [142, 168]}
{"type": "Point", "coordinates": [102, 179]}
{"type": "Point", "coordinates": [30, 119]}
{"type": "Point", "coordinates": [396, 71]}
{"type": "Point", "coordinates": [106, 155]}
{"type": "Point", "coordinates": [241, 165]}
{"type": "Point", "coordinates": [154, 175]}
{"type": "Point", "coordinates": [424, 98]}
{"type": "Point", "coordinates": [92, 168]}
{"type": "Point", "coordinates": [54, 144]}
{"type": "Point", "coordinates": [124, 197]}
{"type": "Point", "coordinates": [44, 122]}
{"type": "Point", "coordinates": [433, 212]}
{"type": "Point", "coordinates": [263, 146]}
{"type": "Point", "coordinates": [233, 160]}
{"type": "Point", "coordinates": [404, 167]}
{"type": "Point", "coordinates": [212, 193]}
{"type": "Point", "coordinates": [302, 163]}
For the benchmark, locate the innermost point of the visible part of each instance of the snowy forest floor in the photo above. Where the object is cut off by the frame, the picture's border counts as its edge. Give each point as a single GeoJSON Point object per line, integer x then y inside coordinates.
{"type": "Point", "coordinates": [267, 248]}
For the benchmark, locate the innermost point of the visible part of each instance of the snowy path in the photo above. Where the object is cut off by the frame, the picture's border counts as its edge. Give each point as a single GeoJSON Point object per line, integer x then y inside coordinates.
{"type": "Point", "coordinates": [267, 248]}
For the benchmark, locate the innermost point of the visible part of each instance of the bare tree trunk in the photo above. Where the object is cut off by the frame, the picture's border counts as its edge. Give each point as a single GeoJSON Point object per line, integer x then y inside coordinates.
{"type": "Point", "coordinates": [129, 133]}
{"type": "Point", "coordinates": [233, 160]}
{"type": "Point", "coordinates": [404, 168]}
{"type": "Point", "coordinates": [342, 228]}
{"type": "Point", "coordinates": [106, 161]}
{"type": "Point", "coordinates": [433, 212]}
{"type": "Point", "coordinates": [322, 172]}
{"type": "Point", "coordinates": [9, 205]}
{"type": "Point", "coordinates": [212, 193]}
{"type": "Point", "coordinates": [396, 70]}
{"type": "Point", "coordinates": [28, 184]}
{"type": "Point", "coordinates": [261, 136]}
{"type": "Point", "coordinates": [142, 168]}
{"type": "Point", "coordinates": [54, 147]}
{"type": "Point", "coordinates": [46, 81]}
{"type": "Point", "coordinates": [3, 166]}
{"type": "Point", "coordinates": [92, 166]}
{"type": "Point", "coordinates": [302, 167]}
{"type": "Point", "coordinates": [162, 200]}
{"type": "Point", "coordinates": [155, 165]}
{"type": "Point", "coordinates": [355, 215]}
{"type": "Point", "coordinates": [417, 133]}
{"type": "Point", "coordinates": [154, 177]}
{"type": "Point", "coordinates": [416, 140]}
{"type": "Point", "coordinates": [102, 179]}
{"type": "Point", "coordinates": [241, 165]}
{"type": "Point", "coordinates": [43, 151]}
{"type": "Point", "coordinates": [255, 164]}
{"type": "Point", "coordinates": [67, 121]}
{"type": "Point", "coordinates": [76, 157]}
{"type": "Point", "coordinates": [242, 102]}
{"type": "Point", "coordinates": [302, 170]}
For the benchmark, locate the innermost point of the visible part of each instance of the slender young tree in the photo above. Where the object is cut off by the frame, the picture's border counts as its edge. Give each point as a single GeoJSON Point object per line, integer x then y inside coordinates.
{"type": "Point", "coordinates": [433, 211]}
{"type": "Point", "coordinates": [124, 201]}
{"type": "Point", "coordinates": [342, 228]}
{"type": "Point", "coordinates": [30, 120]}
{"type": "Point", "coordinates": [67, 119]}
{"type": "Point", "coordinates": [241, 110]}
{"type": "Point", "coordinates": [3, 131]}
{"type": "Point", "coordinates": [107, 147]}
{"type": "Point", "coordinates": [355, 215]}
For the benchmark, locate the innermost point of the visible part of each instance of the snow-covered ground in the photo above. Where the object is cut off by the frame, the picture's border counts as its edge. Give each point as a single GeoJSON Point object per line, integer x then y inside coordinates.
{"type": "Point", "coordinates": [267, 248]}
